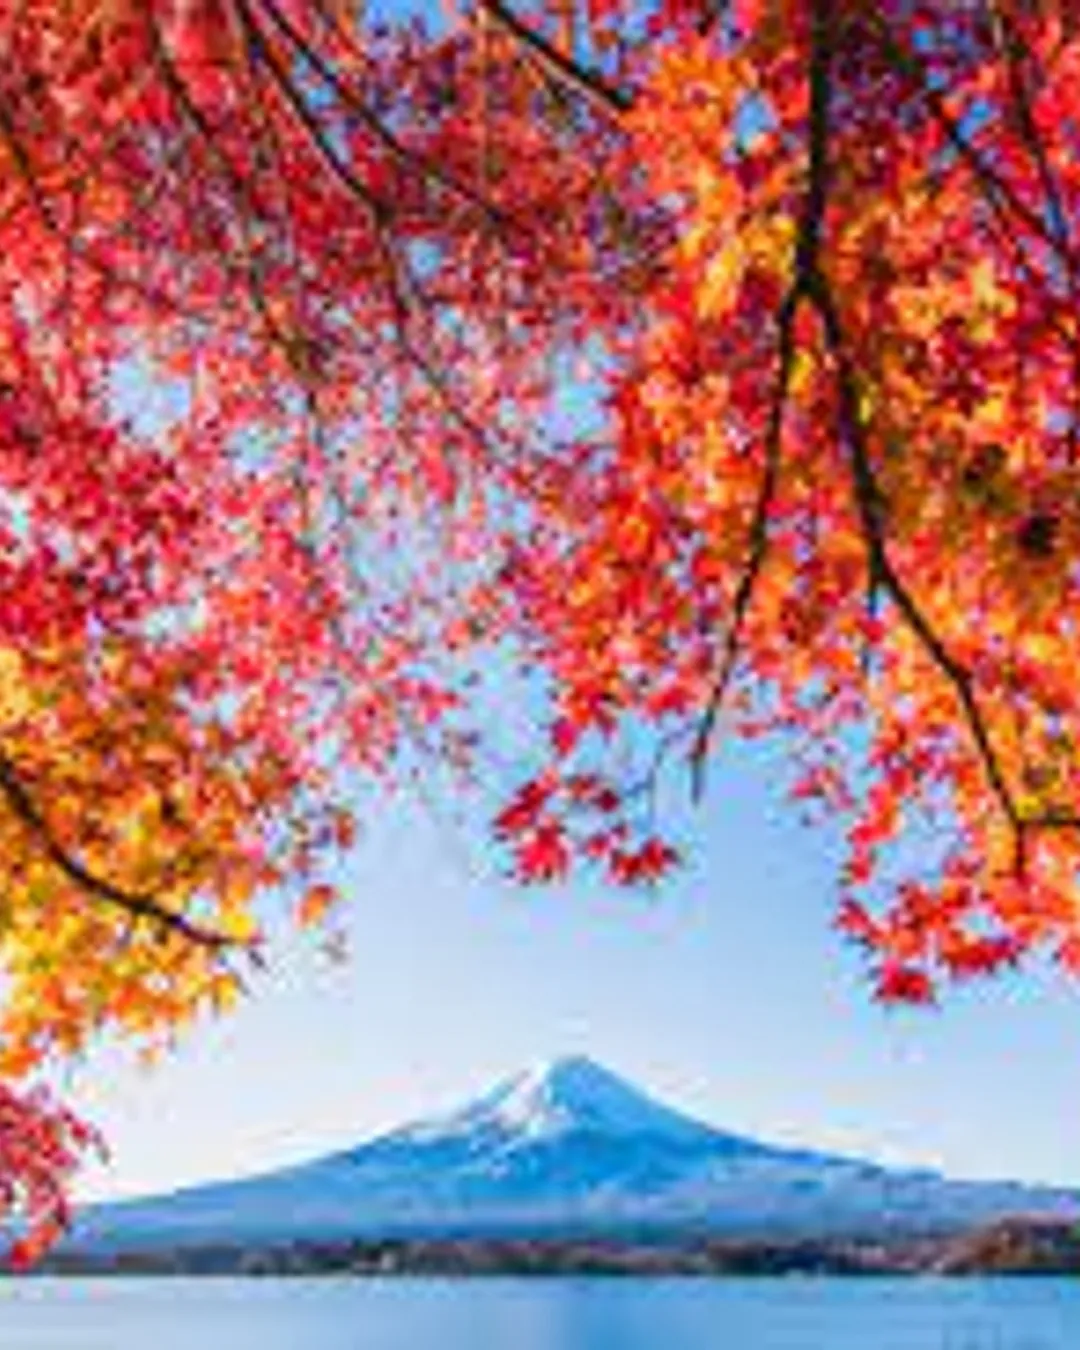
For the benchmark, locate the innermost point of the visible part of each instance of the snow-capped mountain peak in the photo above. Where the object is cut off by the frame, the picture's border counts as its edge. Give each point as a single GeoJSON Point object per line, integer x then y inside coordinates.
{"type": "Point", "coordinates": [561, 1096]}
{"type": "Point", "coordinates": [564, 1147]}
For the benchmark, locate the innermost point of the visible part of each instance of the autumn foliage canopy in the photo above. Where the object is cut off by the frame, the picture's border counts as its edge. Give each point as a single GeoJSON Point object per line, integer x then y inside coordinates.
{"type": "Point", "coordinates": [292, 306]}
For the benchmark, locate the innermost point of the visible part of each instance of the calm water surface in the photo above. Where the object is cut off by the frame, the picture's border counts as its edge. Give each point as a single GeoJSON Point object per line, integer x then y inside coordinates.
{"type": "Point", "coordinates": [209, 1314]}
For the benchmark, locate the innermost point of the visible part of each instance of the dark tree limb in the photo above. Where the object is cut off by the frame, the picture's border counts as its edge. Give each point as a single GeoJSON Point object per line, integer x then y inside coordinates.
{"type": "Point", "coordinates": [757, 550]}
{"type": "Point", "coordinates": [868, 494]}
{"type": "Point", "coordinates": [807, 248]}
{"type": "Point", "coordinates": [138, 904]}
{"type": "Point", "coordinates": [561, 67]}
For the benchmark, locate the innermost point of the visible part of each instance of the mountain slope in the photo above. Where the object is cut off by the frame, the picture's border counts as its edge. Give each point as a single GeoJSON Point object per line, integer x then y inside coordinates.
{"type": "Point", "coordinates": [567, 1147]}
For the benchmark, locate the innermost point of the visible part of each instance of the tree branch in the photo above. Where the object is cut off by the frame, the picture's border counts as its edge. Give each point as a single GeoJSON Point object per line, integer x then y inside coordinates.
{"type": "Point", "coordinates": [378, 126]}
{"type": "Point", "coordinates": [608, 97]}
{"type": "Point", "coordinates": [995, 188]}
{"type": "Point", "coordinates": [868, 498]}
{"type": "Point", "coordinates": [867, 491]}
{"type": "Point", "coordinates": [807, 247]}
{"type": "Point", "coordinates": [758, 545]}
{"type": "Point", "coordinates": [138, 904]}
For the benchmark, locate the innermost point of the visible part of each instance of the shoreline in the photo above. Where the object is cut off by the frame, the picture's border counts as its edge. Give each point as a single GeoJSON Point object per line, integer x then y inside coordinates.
{"type": "Point", "coordinates": [1012, 1246]}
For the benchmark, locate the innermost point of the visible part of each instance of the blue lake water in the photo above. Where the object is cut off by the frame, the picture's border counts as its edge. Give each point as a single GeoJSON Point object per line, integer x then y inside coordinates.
{"type": "Point", "coordinates": [540, 1314]}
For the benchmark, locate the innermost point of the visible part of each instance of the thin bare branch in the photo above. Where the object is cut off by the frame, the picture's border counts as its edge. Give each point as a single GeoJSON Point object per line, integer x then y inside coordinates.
{"type": "Point", "coordinates": [995, 188]}
{"type": "Point", "coordinates": [757, 549]}
{"type": "Point", "coordinates": [564, 69]}
{"type": "Point", "coordinates": [415, 159]}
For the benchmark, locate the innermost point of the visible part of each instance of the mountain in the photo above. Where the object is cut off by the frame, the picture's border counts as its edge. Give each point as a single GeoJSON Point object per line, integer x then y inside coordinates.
{"type": "Point", "coordinates": [563, 1149]}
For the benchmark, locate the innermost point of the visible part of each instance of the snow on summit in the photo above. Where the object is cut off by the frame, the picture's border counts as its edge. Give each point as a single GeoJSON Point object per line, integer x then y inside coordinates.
{"type": "Point", "coordinates": [564, 1147]}
{"type": "Point", "coordinates": [558, 1096]}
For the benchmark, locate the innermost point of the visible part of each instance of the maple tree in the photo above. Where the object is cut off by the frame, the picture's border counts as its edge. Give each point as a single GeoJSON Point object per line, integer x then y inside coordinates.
{"type": "Point", "coordinates": [289, 304]}
{"type": "Point", "coordinates": [835, 497]}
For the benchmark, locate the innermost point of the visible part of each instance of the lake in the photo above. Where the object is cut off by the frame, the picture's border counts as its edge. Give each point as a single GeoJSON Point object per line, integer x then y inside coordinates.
{"type": "Point", "coordinates": [540, 1314]}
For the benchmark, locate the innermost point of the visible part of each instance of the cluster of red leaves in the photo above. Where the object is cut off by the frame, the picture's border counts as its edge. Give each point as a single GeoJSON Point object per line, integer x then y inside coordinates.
{"type": "Point", "coordinates": [551, 821]}
{"type": "Point", "coordinates": [41, 1146]}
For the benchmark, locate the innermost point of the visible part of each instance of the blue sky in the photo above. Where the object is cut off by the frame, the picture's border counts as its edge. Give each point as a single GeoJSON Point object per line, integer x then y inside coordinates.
{"type": "Point", "coordinates": [727, 993]}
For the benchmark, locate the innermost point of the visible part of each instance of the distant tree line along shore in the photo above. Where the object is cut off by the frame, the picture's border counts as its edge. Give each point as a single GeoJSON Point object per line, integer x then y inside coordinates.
{"type": "Point", "coordinates": [1012, 1246]}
